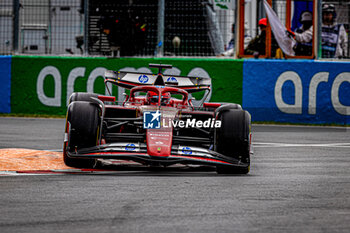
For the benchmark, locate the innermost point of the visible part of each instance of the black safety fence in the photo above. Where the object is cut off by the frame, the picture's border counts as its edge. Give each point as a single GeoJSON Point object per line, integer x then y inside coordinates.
{"type": "Point", "coordinates": [148, 28]}
{"type": "Point", "coordinates": [6, 27]}
{"type": "Point", "coordinates": [41, 26]}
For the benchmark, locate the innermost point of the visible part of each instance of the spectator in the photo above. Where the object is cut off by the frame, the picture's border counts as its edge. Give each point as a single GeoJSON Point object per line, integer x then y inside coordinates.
{"type": "Point", "coordinates": [334, 37]}
{"type": "Point", "coordinates": [125, 32]}
{"type": "Point", "coordinates": [303, 35]}
{"type": "Point", "coordinates": [257, 45]}
{"type": "Point", "coordinates": [231, 43]}
{"type": "Point", "coordinates": [230, 49]}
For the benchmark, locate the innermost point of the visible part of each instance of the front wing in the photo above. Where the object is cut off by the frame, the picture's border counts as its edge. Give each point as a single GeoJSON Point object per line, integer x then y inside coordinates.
{"type": "Point", "coordinates": [138, 152]}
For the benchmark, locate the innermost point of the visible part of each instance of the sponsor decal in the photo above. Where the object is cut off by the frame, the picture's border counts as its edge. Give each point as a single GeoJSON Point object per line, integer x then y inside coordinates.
{"type": "Point", "coordinates": [130, 147]}
{"type": "Point", "coordinates": [171, 79]}
{"type": "Point", "coordinates": [186, 150]}
{"type": "Point", "coordinates": [151, 120]}
{"type": "Point", "coordinates": [143, 79]}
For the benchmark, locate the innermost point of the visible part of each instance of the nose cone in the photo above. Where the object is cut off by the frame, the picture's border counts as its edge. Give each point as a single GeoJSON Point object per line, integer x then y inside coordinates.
{"type": "Point", "coordinates": [159, 142]}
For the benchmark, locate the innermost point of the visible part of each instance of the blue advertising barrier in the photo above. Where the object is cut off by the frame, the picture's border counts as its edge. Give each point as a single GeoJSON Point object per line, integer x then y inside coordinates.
{"type": "Point", "coordinates": [289, 91]}
{"type": "Point", "coordinates": [297, 91]}
{"type": "Point", "coordinates": [5, 84]}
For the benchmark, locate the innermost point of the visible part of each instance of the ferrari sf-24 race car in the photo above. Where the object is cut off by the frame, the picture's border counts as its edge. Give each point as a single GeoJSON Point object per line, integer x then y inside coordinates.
{"type": "Point", "coordinates": [157, 124]}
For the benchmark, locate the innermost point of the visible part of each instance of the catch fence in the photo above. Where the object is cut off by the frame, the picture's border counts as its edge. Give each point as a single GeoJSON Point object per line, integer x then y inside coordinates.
{"type": "Point", "coordinates": [148, 28]}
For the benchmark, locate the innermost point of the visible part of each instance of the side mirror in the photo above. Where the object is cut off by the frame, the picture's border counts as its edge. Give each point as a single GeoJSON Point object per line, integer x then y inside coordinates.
{"type": "Point", "coordinates": [126, 98]}
{"type": "Point", "coordinates": [191, 99]}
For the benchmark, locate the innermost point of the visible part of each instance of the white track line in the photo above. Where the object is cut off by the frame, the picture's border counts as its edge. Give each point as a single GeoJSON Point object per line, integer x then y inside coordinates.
{"type": "Point", "coordinates": [276, 144]}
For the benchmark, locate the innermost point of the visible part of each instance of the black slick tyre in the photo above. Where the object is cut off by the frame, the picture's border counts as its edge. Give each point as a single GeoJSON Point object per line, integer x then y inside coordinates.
{"type": "Point", "coordinates": [82, 131]}
{"type": "Point", "coordinates": [82, 96]}
{"type": "Point", "coordinates": [232, 139]}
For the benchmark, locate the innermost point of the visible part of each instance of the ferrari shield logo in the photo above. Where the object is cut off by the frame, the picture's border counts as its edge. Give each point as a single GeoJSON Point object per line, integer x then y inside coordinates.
{"type": "Point", "coordinates": [151, 120]}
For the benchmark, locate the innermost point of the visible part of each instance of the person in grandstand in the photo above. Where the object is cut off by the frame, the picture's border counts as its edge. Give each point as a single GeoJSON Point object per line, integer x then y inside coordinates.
{"type": "Point", "coordinates": [334, 37]}
{"type": "Point", "coordinates": [303, 35]}
{"type": "Point", "coordinates": [257, 46]}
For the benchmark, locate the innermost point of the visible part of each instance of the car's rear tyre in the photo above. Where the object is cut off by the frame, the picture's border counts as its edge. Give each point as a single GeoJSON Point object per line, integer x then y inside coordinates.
{"type": "Point", "coordinates": [82, 96]}
{"type": "Point", "coordinates": [232, 139]}
{"type": "Point", "coordinates": [82, 130]}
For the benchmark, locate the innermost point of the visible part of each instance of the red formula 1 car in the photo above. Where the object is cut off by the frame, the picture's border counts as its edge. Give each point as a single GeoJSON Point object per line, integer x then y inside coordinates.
{"type": "Point", "coordinates": [157, 125]}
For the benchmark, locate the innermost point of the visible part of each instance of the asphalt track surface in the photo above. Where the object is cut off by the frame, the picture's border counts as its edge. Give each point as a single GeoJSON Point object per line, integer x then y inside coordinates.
{"type": "Point", "coordinates": [299, 182]}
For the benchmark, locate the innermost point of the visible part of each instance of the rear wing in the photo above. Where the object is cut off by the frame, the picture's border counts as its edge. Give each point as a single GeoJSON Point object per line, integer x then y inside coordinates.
{"type": "Point", "coordinates": [133, 79]}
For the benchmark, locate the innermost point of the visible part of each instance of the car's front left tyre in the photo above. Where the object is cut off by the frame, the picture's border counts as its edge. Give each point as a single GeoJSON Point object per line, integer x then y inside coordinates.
{"type": "Point", "coordinates": [232, 139]}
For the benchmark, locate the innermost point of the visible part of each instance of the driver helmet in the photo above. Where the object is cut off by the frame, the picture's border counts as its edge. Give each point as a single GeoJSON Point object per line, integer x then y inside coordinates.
{"type": "Point", "coordinates": [165, 98]}
{"type": "Point", "coordinates": [152, 97]}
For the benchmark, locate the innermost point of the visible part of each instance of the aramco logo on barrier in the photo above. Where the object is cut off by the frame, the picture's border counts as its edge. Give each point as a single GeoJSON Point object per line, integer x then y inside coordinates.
{"type": "Point", "coordinates": [316, 80]}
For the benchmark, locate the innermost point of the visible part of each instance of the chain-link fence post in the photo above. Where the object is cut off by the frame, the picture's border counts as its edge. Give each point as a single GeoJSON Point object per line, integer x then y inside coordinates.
{"type": "Point", "coordinates": [15, 26]}
{"type": "Point", "coordinates": [160, 37]}
{"type": "Point", "coordinates": [318, 36]}
{"type": "Point", "coordinates": [86, 27]}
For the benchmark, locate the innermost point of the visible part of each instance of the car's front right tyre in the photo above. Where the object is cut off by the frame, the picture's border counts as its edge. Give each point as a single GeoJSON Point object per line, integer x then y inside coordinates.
{"type": "Point", "coordinates": [82, 131]}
